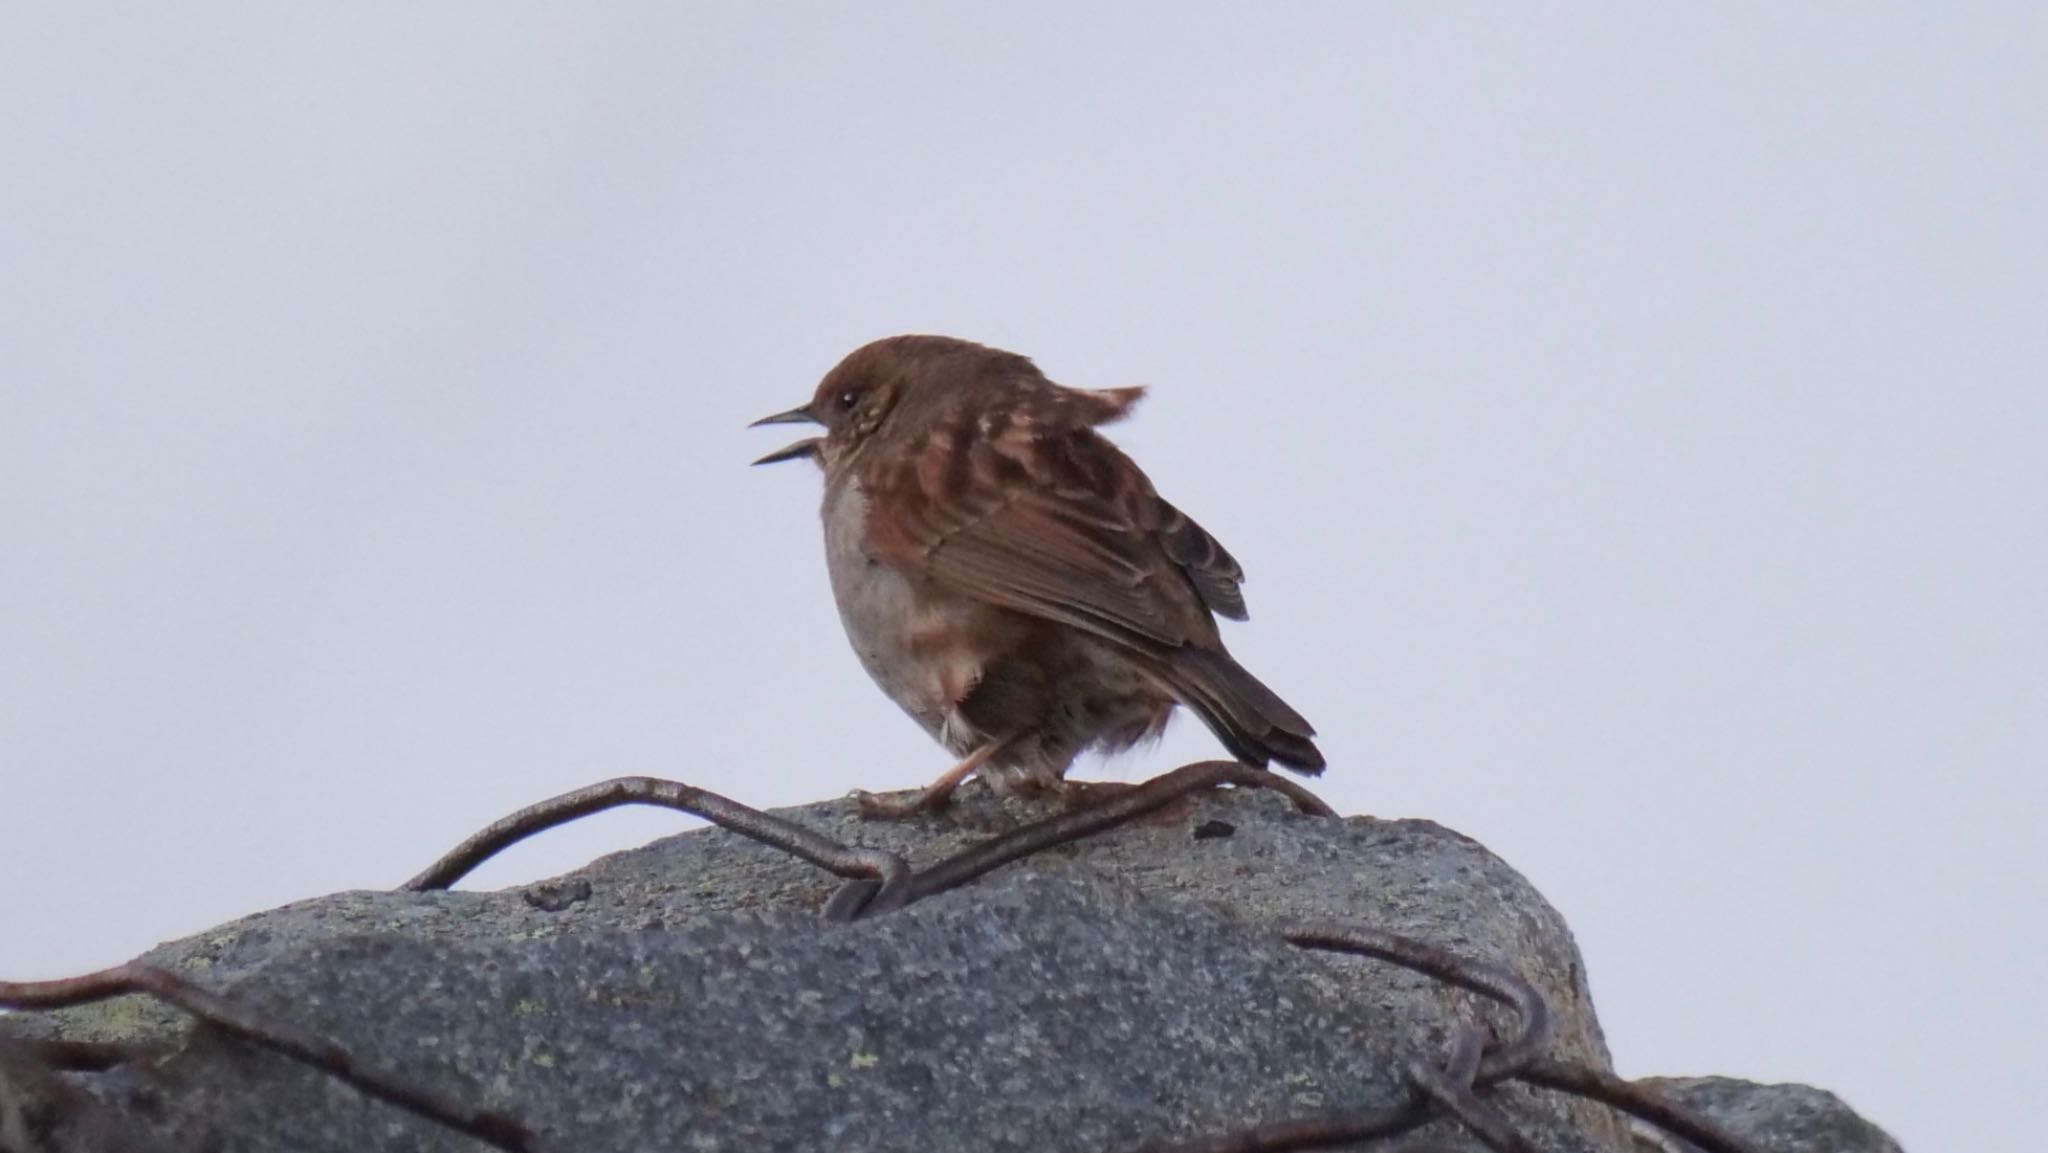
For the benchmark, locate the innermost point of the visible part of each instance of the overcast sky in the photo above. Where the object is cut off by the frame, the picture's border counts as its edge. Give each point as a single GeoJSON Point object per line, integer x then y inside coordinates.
{"type": "Point", "coordinates": [1633, 421]}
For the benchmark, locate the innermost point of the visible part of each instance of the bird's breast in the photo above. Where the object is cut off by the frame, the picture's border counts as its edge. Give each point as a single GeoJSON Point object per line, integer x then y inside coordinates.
{"type": "Point", "coordinates": [915, 641]}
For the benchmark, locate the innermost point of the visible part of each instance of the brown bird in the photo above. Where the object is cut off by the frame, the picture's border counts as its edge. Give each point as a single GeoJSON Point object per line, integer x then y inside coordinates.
{"type": "Point", "coordinates": [1011, 579]}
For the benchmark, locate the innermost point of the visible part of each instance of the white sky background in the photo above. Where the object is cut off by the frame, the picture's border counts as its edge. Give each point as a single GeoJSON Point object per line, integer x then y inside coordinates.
{"type": "Point", "coordinates": [1634, 423]}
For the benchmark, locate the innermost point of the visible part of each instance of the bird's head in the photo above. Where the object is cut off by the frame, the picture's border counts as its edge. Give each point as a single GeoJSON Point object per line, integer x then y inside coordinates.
{"type": "Point", "coordinates": [897, 386]}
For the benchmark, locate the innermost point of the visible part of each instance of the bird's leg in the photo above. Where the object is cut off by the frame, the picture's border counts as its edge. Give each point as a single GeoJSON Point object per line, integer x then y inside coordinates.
{"type": "Point", "coordinates": [875, 806]}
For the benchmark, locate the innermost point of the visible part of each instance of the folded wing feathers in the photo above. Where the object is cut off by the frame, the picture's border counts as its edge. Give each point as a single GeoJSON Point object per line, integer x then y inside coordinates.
{"type": "Point", "coordinates": [1081, 540]}
{"type": "Point", "coordinates": [1215, 573]}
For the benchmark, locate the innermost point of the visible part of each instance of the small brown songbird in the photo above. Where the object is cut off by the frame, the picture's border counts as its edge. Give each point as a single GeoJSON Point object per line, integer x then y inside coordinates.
{"type": "Point", "coordinates": [1011, 579]}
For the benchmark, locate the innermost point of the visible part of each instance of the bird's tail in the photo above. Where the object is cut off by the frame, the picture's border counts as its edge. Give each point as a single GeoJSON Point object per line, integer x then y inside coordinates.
{"type": "Point", "coordinates": [1250, 719]}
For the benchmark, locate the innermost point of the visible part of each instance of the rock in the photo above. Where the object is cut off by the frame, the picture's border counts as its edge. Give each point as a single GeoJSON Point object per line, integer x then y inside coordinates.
{"type": "Point", "coordinates": [1125, 990]}
{"type": "Point", "coordinates": [41, 1113]}
{"type": "Point", "coordinates": [1780, 1118]}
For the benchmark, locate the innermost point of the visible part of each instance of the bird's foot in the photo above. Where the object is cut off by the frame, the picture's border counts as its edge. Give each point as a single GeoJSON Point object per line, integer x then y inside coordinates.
{"type": "Point", "coordinates": [1076, 795]}
{"type": "Point", "coordinates": [931, 798]}
{"type": "Point", "coordinates": [903, 806]}
{"type": "Point", "coordinates": [1080, 796]}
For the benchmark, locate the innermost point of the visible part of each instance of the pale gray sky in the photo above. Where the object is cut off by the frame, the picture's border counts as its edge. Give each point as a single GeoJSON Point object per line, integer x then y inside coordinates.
{"type": "Point", "coordinates": [1632, 420]}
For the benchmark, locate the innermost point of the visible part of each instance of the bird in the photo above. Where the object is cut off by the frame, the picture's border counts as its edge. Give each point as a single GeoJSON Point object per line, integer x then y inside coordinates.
{"type": "Point", "coordinates": [1011, 579]}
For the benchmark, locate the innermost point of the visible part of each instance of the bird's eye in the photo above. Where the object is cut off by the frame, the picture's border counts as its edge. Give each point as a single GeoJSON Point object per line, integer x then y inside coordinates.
{"type": "Point", "coordinates": [847, 400]}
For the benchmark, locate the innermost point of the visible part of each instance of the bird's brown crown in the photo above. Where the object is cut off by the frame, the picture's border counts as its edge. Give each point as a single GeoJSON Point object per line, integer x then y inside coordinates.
{"type": "Point", "coordinates": [905, 386]}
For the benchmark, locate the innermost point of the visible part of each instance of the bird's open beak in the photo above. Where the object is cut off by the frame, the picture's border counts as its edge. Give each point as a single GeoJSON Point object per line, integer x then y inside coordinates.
{"type": "Point", "coordinates": [805, 447]}
{"type": "Point", "coordinates": [801, 414]}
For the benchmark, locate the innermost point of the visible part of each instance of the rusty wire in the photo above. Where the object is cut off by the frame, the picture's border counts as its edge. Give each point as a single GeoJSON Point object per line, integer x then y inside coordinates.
{"type": "Point", "coordinates": [1458, 1096]}
{"type": "Point", "coordinates": [489, 1126]}
{"type": "Point", "coordinates": [1454, 1090]}
{"type": "Point", "coordinates": [792, 838]}
{"type": "Point", "coordinates": [878, 882]}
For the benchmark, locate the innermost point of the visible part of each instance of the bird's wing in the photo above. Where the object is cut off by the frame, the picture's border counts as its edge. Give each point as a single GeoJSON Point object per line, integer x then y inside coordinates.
{"type": "Point", "coordinates": [1048, 518]}
{"type": "Point", "coordinates": [1215, 573]}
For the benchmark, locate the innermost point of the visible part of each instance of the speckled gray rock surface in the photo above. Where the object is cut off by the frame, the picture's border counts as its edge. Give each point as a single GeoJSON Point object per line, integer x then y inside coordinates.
{"type": "Point", "coordinates": [41, 1112]}
{"type": "Point", "coordinates": [685, 995]}
{"type": "Point", "coordinates": [1781, 1118]}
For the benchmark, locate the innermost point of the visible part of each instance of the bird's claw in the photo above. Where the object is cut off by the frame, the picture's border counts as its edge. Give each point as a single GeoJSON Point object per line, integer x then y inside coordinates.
{"type": "Point", "coordinates": [900, 806]}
